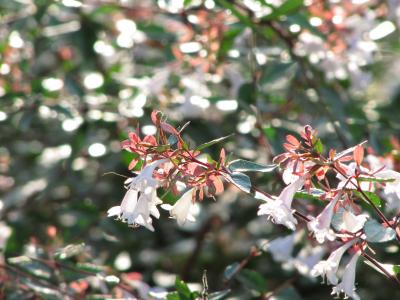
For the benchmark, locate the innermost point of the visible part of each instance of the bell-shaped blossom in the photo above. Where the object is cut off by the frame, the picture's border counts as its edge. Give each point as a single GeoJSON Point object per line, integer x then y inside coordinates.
{"type": "Point", "coordinates": [328, 268]}
{"type": "Point", "coordinates": [141, 200]}
{"type": "Point", "coordinates": [279, 209]}
{"type": "Point", "coordinates": [292, 170]}
{"type": "Point", "coordinates": [182, 209]}
{"type": "Point", "coordinates": [351, 222]}
{"type": "Point", "coordinates": [145, 178]}
{"type": "Point", "coordinates": [307, 258]}
{"type": "Point", "coordinates": [391, 191]}
{"type": "Point", "coordinates": [347, 285]}
{"type": "Point", "coordinates": [281, 248]}
{"type": "Point", "coordinates": [321, 225]}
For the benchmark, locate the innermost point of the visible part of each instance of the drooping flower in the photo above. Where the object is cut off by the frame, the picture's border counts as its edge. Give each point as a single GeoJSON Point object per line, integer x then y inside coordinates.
{"type": "Point", "coordinates": [140, 201]}
{"type": "Point", "coordinates": [321, 225]}
{"type": "Point", "coordinates": [391, 191]}
{"type": "Point", "coordinates": [281, 248]}
{"type": "Point", "coordinates": [181, 210]}
{"type": "Point", "coordinates": [328, 268]}
{"type": "Point", "coordinates": [351, 222]}
{"type": "Point", "coordinates": [307, 258]}
{"type": "Point", "coordinates": [279, 209]}
{"type": "Point", "coordinates": [347, 285]}
{"type": "Point", "coordinates": [294, 170]}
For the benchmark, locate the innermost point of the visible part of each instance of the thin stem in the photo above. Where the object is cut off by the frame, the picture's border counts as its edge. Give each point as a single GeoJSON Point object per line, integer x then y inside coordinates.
{"type": "Point", "coordinates": [378, 265]}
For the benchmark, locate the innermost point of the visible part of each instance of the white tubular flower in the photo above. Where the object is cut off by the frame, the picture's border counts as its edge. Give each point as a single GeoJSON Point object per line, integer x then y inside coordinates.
{"type": "Point", "coordinates": [347, 285]}
{"type": "Point", "coordinates": [281, 248]}
{"type": "Point", "coordinates": [181, 210]}
{"type": "Point", "coordinates": [307, 258]}
{"type": "Point", "coordinates": [353, 223]}
{"type": "Point", "coordinates": [328, 268]}
{"type": "Point", "coordinates": [289, 176]}
{"type": "Point", "coordinates": [321, 225]}
{"type": "Point", "coordinates": [391, 191]}
{"type": "Point", "coordinates": [145, 177]}
{"type": "Point", "coordinates": [280, 209]}
{"type": "Point", "coordinates": [140, 201]}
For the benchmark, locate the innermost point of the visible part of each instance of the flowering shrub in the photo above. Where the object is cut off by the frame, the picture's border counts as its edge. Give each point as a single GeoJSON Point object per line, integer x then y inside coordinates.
{"type": "Point", "coordinates": [231, 195]}
{"type": "Point", "coordinates": [341, 182]}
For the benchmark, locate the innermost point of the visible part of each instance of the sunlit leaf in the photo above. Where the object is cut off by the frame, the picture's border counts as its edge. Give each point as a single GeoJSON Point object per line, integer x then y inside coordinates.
{"type": "Point", "coordinates": [377, 233]}
{"type": "Point", "coordinates": [241, 165]}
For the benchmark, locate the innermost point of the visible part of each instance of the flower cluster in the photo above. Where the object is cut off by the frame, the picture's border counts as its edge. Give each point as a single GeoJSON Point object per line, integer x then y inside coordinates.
{"type": "Point", "coordinates": [340, 183]}
{"type": "Point", "coordinates": [168, 164]}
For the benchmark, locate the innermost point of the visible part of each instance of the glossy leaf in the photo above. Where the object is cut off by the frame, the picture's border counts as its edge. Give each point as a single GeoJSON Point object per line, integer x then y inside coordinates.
{"type": "Point", "coordinates": [241, 165]}
{"type": "Point", "coordinates": [377, 233]}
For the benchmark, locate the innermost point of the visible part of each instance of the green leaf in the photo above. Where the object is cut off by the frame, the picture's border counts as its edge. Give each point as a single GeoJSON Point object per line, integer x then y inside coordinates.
{"type": "Point", "coordinates": [396, 269]}
{"type": "Point", "coordinates": [287, 8]}
{"type": "Point", "coordinates": [247, 93]}
{"type": "Point", "coordinates": [241, 165]}
{"type": "Point", "coordinates": [43, 292]}
{"type": "Point", "coordinates": [314, 194]}
{"type": "Point", "coordinates": [33, 267]}
{"type": "Point", "coordinates": [371, 179]}
{"type": "Point", "coordinates": [277, 71]}
{"type": "Point", "coordinates": [69, 251]}
{"type": "Point", "coordinates": [372, 196]}
{"type": "Point", "coordinates": [173, 296]}
{"type": "Point", "coordinates": [182, 289]}
{"type": "Point", "coordinates": [377, 233]}
{"type": "Point", "coordinates": [252, 280]}
{"type": "Point", "coordinates": [240, 180]}
{"type": "Point", "coordinates": [231, 271]}
{"type": "Point", "coordinates": [218, 295]}
{"type": "Point", "coordinates": [229, 39]}
{"type": "Point", "coordinates": [318, 147]}
{"type": "Point", "coordinates": [210, 143]}
{"type": "Point", "coordinates": [88, 267]}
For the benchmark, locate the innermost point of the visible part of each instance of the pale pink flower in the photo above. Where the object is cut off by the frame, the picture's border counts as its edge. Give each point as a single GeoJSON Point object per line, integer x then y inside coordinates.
{"type": "Point", "coordinates": [351, 222]}
{"type": "Point", "coordinates": [141, 200]}
{"type": "Point", "coordinates": [347, 285]}
{"type": "Point", "coordinates": [181, 210]}
{"type": "Point", "coordinates": [328, 268]}
{"type": "Point", "coordinates": [321, 225]}
{"type": "Point", "coordinates": [279, 209]}
{"type": "Point", "coordinates": [281, 248]}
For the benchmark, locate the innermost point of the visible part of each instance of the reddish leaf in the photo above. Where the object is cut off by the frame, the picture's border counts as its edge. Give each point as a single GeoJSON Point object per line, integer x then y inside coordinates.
{"type": "Point", "coordinates": [169, 128]}
{"type": "Point", "coordinates": [222, 156]}
{"type": "Point", "coordinates": [289, 147]}
{"type": "Point", "coordinates": [292, 140]}
{"type": "Point", "coordinates": [150, 139]}
{"type": "Point", "coordinates": [346, 158]}
{"type": "Point", "coordinates": [154, 116]}
{"type": "Point", "coordinates": [219, 186]}
{"type": "Point", "coordinates": [126, 144]}
{"type": "Point", "coordinates": [134, 137]}
{"type": "Point", "coordinates": [358, 154]}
